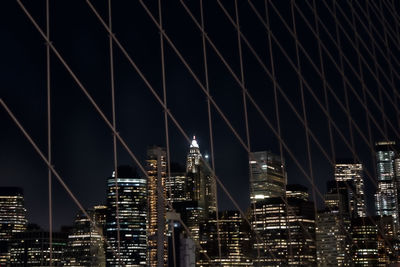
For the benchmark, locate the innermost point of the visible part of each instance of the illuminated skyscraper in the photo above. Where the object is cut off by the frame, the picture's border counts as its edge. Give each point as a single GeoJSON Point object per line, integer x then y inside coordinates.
{"type": "Point", "coordinates": [132, 210]}
{"type": "Point", "coordinates": [156, 191]}
{"type": "Point", "coordinates": [333, 227]}
{"type": "Point", "coordinates": [386, 197]}
{"type": "Point", "coordinates": [176, 184]}
{"type": "Point", "coordinates": [352, 174]}
{"type": "Point", "coordinates": [12, 218]}
{"type": "Point", "coordinates": [32, 248]}
{"type": "Point", "coordinates": [234, 236]}
{"type": "Point", "coordinates": [85, 245]}
{"type": "Point", "coordinates": [199, 184]}
{"type": "Point", "coordinates": [268, 176]}
{"type": "Point", "coordinates": [273, 220]}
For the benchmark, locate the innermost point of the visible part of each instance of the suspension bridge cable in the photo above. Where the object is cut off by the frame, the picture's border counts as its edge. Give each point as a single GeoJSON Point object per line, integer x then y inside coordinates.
{"type": "Point", "coordinates": [210, 128]}
{"type": "Point", "coordinates": [306, 127]}
{"type": "Point", "coordinates": [49, 155]}
{"type": "Point", "coordinates": [278, 121]}
{"type": "Point", "coordinates": [364, 60]}
{"type": "Point", "coordinates": [166, 127]}
{"type": "Point", "coordinates": [55, 173]}
{"type": "Point", "coordinates": [115, 154]}
{"type": "Point", "coordinates": [102, 115]}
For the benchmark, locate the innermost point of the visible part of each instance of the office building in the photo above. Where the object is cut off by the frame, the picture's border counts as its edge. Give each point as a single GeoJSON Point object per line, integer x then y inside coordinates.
{"type": "Point", "coordinates": [85, 244]}
{"type": "Point", "coordinates": [132, 214]}
{"type": "Point", "coordinates": [234, 235]}
{"type": "Point", "coordinates": [157, 195]}
{"type": "Point", "coordinates": [387, 197]}
{"type": "Point", "coordinates": [32, 248]}
{"type": "Point", "coordinates": [286, 232]}
{"type": "Point", "coordinates": [352, 174]}
{"type": "Point", "coordinates": [268, 176]}
{"type": "Point", "coordinates": [12, 219]}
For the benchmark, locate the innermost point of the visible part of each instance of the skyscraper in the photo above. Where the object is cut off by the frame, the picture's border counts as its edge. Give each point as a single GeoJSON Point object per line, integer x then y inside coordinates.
{"type": "Point", "coordinates": [352, 174]}
{"type": "Point", "coordinates": [156, 191]}
{"type": "Point", "coordinates": [12, 218]}
{"type": "Point", "coordinates": [32, 248]}
{"type": "Point", "coordinates": [387, 197]}
{"type": "Point", "coordinates": [132, 214]}
{"type": "Point", "coordinates": [234, 236]}
{"type": "Point", "coordinates": [85, 245]}
{"type": "Point", "coordinates": [274, 220]}
{"type": "Point", "coordinates": [199, 183]}
{"type": "Point", "coordinates": [268, 176]}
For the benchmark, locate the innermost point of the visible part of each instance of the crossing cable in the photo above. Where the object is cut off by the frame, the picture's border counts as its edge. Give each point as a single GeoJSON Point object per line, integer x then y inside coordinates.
{"type": "Point", "coordinates": [331, 140]}
{"type": "Point", "coordinates": [55, 173]}
{"type": "Point", "coordinates": [395, 18]}
{"type": "Point", "coordinates": [340, 71]}
{"type": "Point", "coordinates": [330, 56]}
{"type": "Point", "coordinates": [360, 78]}
{"type": "Point", "coordinates": [370, 33]}
{"type": "Point", "coordinates": [246, 117]}
{"type": "Point", "coordinates": [102, 115]}
{"type": "Point", "coordinates": [164, 86]}
{"type": "Point", "coordinates": [49, 156]}
{"type": "Point", "coordinates": [278, 121]}
{"type": "Point", "coordinates": [390, 63]}
{"type": "Point", "coordinates": [307, 135]}
{"type": "Point", "coordinates": [248, 95]}
{"type": "Point", "coordinates": [288, 101]}
{"type": "Point", "coordinates": [364, 60]}
{"type": "Point", "coordinates": [362, 135]}
{"type": "Point", "coordinates": [210, 128]}
{"type": "Point", "coordinates": [365, 99]}
{"type": "Point", "coordinates": [123, 50]}
{"type": "Point", "coordinates": [112, 83]}
{"type": "Point", "coordinates": [338, 130]}
{"type": "Point", "coordinates": [385, 33]}
{"type": "Point", "coordinates": [341, 65]}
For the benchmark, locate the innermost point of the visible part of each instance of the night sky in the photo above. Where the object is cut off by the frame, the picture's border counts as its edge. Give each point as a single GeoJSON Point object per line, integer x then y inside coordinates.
{"type": "Point", "coordinates": [82, 142]}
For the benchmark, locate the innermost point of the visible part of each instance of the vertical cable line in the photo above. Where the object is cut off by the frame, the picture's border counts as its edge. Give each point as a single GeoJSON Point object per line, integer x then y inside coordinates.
{"type": "Point", "coordinates": [48, 81]}
{"type": "Point", "coordinates": [112, 83]}
{"type": "Point", "coordinates": [385, 34]}
{"type": "Point", "coordinates": [330, 56]}
{"type": "Point", "coordinates": [391, 32]}
{"type": "Point", "coordinates": [389, 97]}
{"type": "Point", "coordinates": [306, 127]}
{"type": "Point", "coordinates": [365, 96]}
{"type": "Point", "coordinates": [45, 160]}
{"type": "Point", "coordinates": [164, 86]}
{"type": "Point", "coordinates": [278, 123]}
{"type": "Point", "coordinates": [102, 115]}
{"type": "Point", "coordinates": [210, 128]}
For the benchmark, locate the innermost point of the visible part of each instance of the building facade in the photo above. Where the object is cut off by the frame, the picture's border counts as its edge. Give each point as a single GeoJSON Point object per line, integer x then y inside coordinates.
{"type": "Point", "coordinates": [132, 214]}
{"type": "Point", "coordinates": [12, 219]}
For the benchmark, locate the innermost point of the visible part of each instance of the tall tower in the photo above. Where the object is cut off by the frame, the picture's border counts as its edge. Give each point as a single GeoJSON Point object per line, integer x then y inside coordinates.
{"type": "Point", "coordinates": [12, 218]}
{"type": "Point", "coordinates": [386, 197]}
{"type": "Point", "coordinates": [85, 245]}
{"type": "Point", "coordinates": [352, 174]}
{"type": "Point", "coordinates": [157, 242]}
{"type": "Point", "coordinates": [132, 214]}
{"type": "Point", "coordinates": [268, 176]}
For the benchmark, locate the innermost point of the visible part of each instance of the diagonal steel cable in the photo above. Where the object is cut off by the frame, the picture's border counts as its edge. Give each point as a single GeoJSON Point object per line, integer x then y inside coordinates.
{"type": "Point", "coordinates": [49, 150]}
{"type": "Point", "coordinates": [115, 154]}
{"type": "Point", "coordinates": [210, 128]}
{"type": "Point", "coordinates": [102, 115]}
{"type": "Point", "coordinates": [55, 173]}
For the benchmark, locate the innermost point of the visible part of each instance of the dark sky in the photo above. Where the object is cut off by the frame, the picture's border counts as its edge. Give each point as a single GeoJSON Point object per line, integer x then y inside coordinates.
{"type": "Point", "coordinates": [82, 143]}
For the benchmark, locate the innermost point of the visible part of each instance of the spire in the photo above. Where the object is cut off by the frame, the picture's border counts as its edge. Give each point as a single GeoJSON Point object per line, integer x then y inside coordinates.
{"type": "Point", "coordinates": [194, 142]}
